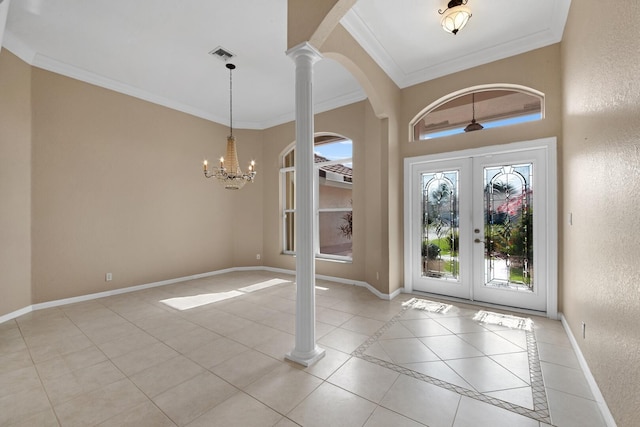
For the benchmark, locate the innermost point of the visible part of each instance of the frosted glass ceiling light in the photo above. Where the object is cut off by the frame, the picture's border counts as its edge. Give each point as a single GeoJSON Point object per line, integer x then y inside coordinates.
{"type": "Point", "coordinates": [456, 16]}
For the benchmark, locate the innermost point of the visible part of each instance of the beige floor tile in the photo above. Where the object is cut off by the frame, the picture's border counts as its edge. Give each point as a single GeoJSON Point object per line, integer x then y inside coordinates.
{"type": "Point", "coordinates": [484, 374]}
{"type": "Point", "coordinates": [22, 406]}
{"type": "Point", "coordinates": [382, 417]}
{"type": "Point", "coordinates": [240, 410]}
{"type": "Point", "coordinates": [144, 414]}
{"type": "Point", "coordinates": [143, 358]}
{"type": "Point", "coordinates": [246, 368]}
{"type": "Point", "coordinates": [343, 340]}
{"type": "Point", "coordinates": [277, 346]}
{"type": "Point", "coordinates": [81, 381]}
{"type": "Point", "coordinates": [555, 336]}
{"type": "Point", "coordinates": [161, 377]}
{"type": "Point", "coordinates": [515, 336]}
{"type": "Point", "coordinates": [46, 418]}
{"type": "Point", "coordinates": [253, 335]}
{"type": "Point", "coordinates": [19, 380]}
{"type": "Point", "coordinates": [376, 350]}
{"type": "Point", "coordinates": [557, 354]}
{"type": "Point", "coordinates": [284, 322]}
{"type": "Point", "coordinates": [190, 399]}
{"type": "Point", "coordinates": [174, 328]}
{"type": "Point", "coordinates": [422, 402]}
{"type": "Point", "coordinates": [326, 366]}
{"type": "Point", "coordinates": [425, 327]}
{"type": "Point", "coordinates": [364, 379]}
{"type": "Point", "coordinates": [408, 350]}
{"type": "Point", "coordinates": [450, 347]}
{"type": "Point", "coordinates": [572, 411]}
{"type": "Point", "coordinates": [249, 311]}
{"type": "Point", "coordinates": [331, 316]}
{"type": "Point", "coordinates": [362, 325]}
{"type": "Point", "coordinates": [226, 323]}
{"type": "Point", "coordinates": [489, 343]}
{"type": "Point", "coordinates": [460, 325]}
{"type": "Point", "coordinates": [68, 363]}
{"type": "Point", "coordinates": [42, 351]}
{"type": "Point", "coordinates": [565, 379]}
{"type": "Point", "coordinates": [380, 310]}
{"type": "Point", "coordinates": [516, 363]}
{"type": "Point", "coordinates": [519, 396]}
{"type": "Point", "coordinates": [126, 344]}
{"type": "Point", "coordinates": [283, 388]}
{"type": "Point", "coordinates": [167, 353]}
{"type": "Point", "coordinates": [216, 352]}
{"type": "Point", "coordinates": [397, 330]}
{"type": "Point", "coordinates": [473, 413]}
{"type": "Point", "coordinates": [286, 422]}
{"type": "Point", "coordinates": [323, 329]}
{"type": "Point", "coordinates": [100, 405]}
{"type": "Point", "coordinates": [16, 360]}
{"type": "Point", "coordinates": [108, 333]}
{"type": "Point", "coordinates": [191, 339]}
{"type": "Point", "coordinates": [11, 341]}
{"type": "Point", "coordinates": [439, 370]}
{"type": "Point", "coordinates": [332, 406]}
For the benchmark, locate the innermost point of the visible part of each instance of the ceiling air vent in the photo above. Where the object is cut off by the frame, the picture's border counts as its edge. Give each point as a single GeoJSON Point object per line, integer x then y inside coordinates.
{"type": "Point", "coordinates": [222, 53]}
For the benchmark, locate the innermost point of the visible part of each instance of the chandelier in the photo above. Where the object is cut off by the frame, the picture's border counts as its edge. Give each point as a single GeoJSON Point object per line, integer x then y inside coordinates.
{"type": "Point", "coordinates": [229, 173]}
{"type": "Point", "coordinates": [456, 16]}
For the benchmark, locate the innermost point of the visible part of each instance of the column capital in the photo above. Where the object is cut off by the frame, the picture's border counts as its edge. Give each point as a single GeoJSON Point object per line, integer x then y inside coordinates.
{"type": "Point", "coordinates": [304, 49]}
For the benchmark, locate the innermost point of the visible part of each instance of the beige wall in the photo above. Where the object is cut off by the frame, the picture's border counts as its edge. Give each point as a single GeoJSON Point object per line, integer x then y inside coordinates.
{"type": "Point", "coordinates": [600, 54]}
{"type": "Point", "coordinates": [15, 183]}
{"type": "Point", "coordinates": [118, 187]}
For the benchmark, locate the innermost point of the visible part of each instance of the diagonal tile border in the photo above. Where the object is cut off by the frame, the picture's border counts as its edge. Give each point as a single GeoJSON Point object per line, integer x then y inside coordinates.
{"type": "Point", "coordinates": [540, 411]}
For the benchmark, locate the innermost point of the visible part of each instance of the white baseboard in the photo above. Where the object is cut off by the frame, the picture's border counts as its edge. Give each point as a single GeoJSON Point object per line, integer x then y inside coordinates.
{"type": "Point", "coordinates": [17, 313]}
{"type": "Point", "coordinates": [595, 390]}
{"type": "Point", "coordinates": [88, 297]}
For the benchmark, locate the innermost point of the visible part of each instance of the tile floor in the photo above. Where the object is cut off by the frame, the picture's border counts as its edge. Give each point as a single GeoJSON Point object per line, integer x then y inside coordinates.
{"type": "Point", "coordinates": [209, 352]}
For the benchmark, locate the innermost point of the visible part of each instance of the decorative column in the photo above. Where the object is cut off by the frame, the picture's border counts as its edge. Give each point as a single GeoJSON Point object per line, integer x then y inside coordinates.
{"type": "Point", "coordinates": [306, 352]}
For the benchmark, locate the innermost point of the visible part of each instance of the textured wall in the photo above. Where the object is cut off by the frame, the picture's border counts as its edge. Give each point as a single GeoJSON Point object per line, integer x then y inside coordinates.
{"type": "Point", "coordinates": [117, 187]}
{"type": "Point", "coordinates": [600, 54]}
{"type": "Point", "coordinates": [15, 183]}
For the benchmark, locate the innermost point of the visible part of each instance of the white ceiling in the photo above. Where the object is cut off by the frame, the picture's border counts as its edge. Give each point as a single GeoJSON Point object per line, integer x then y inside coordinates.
{"type": "Point", "coordinates": [157, 50]}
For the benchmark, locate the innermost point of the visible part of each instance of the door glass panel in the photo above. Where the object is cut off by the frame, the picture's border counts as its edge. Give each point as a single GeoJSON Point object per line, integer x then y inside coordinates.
{"type": "Point", "coordinates": [440, 232]}
{"type": "Point", "coordinates": [508, 226]}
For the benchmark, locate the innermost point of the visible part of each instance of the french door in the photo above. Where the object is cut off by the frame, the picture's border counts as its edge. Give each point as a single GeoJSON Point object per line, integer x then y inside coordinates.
{"type": "Point", "coordinates": [478, 226]}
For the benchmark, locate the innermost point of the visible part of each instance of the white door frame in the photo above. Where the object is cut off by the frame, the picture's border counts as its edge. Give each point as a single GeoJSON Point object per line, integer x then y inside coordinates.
{"type": "Point", "coordinates": [551, 230]}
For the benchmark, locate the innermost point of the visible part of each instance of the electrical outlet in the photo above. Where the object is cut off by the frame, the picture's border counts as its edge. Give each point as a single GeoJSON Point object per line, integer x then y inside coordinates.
{"type": "Point", "coordinates": [584, 330]}
{"type": "Point", "coordinates": [108, 277]}
{"type": "Point", "coordinates": [377, 276]}
{"type": "Point", "coordinates": [257, 256]}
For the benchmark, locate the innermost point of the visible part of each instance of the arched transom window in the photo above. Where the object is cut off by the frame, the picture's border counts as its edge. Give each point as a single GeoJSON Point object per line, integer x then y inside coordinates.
{"type": "Point", "coordinates": [487, 107]}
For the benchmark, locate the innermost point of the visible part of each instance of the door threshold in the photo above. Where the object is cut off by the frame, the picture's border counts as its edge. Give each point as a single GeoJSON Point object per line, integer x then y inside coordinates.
{"type": "Point", "coordinates": [481, 304]}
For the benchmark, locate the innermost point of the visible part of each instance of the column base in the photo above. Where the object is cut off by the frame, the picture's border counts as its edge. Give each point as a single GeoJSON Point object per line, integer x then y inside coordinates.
{"type": "Point", "coordinates": [305, 358]}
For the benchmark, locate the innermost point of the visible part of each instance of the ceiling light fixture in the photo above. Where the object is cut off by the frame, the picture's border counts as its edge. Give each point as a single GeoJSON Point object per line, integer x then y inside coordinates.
{"type": "Point", "coordinates": [229, 173]}
{"type": "Point", "coordinates": [473, 125]}
{"type": "Point", "coordinates": [456, 16]}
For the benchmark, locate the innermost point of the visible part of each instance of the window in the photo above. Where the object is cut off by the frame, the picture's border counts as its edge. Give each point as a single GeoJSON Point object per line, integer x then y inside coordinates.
{"type": "Point", "coordinates": [333, 203]}
{"type": "Point", "coordinates": [491, 107]}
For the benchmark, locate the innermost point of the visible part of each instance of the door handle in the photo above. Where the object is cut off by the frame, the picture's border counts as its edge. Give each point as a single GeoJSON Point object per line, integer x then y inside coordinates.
{"type": "Point", "coordinates": [478, 241]}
